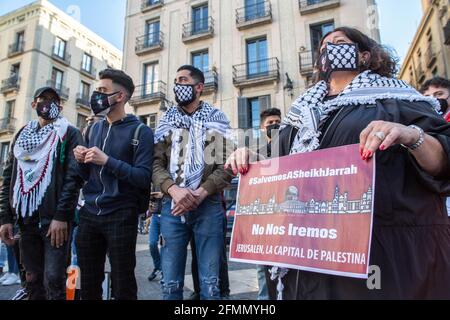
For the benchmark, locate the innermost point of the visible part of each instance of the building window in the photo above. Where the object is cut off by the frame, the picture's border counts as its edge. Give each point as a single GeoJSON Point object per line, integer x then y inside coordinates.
{"type": "Point", "coordinates": [20, 37]}
{"type": "Point", "coordinates": [57, 78]}
{"type": "Point", "coordinates": [150, 120]}
{"type": "Point", "coordinates": [435, 72]}
{"type": "Point", "coordinates": [250, 111]}
{"type": "Point", "coordinates": [200, 60]}
{"type": "Point", "coordinates": [152, 31]}
{"type": "Point", "coordinates": [9, 109]}
{"type": "Point", "coordinates": [200, 19]}
{"type": "Point", "coordinates": [318, 31]}
{"type": "Point", "coordinates": [60, 48]}
{"type": "Point", "coordinates": [15, 69]}
{"type": "Point", "coordinates": [85, 90]}
{"type": "Point", "coordinates": [81, 121]}
{"type": "Point", "coordinates": [151, 78]}
{"type": "Point", "coordinates": [257, 58]}
{"type": "Point", "coordinates": [4, 152]}
{"type": "Point", "coordinates": [254, 9]}
{"type": "Point", "coordinates": [87, 63]}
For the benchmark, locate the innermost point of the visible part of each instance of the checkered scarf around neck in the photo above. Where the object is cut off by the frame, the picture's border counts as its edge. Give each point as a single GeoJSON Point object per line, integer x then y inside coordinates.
{"type": "Point", "coordinates": [310, 110]}
{"type": "Point", "coordinates": [35, 151]}
{"type": "Point", "coordinates": [205, 119]}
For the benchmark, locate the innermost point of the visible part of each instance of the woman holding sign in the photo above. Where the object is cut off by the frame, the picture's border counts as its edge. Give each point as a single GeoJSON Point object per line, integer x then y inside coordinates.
{"type": "Point", "coordinates": [356, 99]}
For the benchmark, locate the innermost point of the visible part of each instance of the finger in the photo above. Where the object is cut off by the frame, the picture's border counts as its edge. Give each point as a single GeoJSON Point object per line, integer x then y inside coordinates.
{"type": "Point", "coordinates": [241, 161]}
{"type": "Point", "coordinates": [53, 238]}
{"type": "Point", "coordinates": [363, 138]}
{"type": "Point", "coordinates": [49, 232]}
{"type": "Point", "coordinates": [390, 140]}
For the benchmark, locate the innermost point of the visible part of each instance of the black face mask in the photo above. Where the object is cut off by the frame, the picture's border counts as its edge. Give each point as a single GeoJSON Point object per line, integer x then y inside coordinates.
{"type": "Point", "coordinates": [338, 57]}
{"type": "Point", "coordinates": [100, 103]}
{"type": "Point", "coordinates": [444, 105]}
{"type": "Point", "coordinates": [269, 129]}
{"type": "Point", "coordinates": [48, 110]}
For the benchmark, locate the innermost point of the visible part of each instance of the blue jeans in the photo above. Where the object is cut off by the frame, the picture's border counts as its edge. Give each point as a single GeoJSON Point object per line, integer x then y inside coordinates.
{"type": "Point", "coordinates": [153, 239]}
{"type": "Point", "coordinates": [205, 224]}
{"type": "Point", "coordinates": [3, 254]}
{"type": "Point", "coordinates": [12, 262]}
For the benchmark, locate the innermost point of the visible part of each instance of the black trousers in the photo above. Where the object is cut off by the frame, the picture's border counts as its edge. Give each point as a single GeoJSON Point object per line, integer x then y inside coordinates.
{"type": "Point", "coordinates": [44, 264]}
{"type": "Point", "coordinates": [114, 234]}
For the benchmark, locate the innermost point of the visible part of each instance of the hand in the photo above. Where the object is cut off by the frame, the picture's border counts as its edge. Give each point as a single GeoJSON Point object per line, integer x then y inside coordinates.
{"type": "Point", "coordinates": [96, 156]}
{"type": "Point", "coordinates": [6, 234]}
{"type": "Point", "coordinates": [184, 200]}
{"type": "Point", "coordinates": [58, 233]}
{"type": "Point", "coordinates": [79, 152]}
{"type": "Point", "coordinates": [394, 133]}
{"type": "Point", "coordinates": [200, 195]}
{"type": "Point", "coordinates": [239, 161]}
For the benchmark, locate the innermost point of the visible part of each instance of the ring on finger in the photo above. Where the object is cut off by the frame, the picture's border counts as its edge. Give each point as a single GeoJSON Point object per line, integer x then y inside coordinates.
{"type": "Point", "coordinates": [380, 135]}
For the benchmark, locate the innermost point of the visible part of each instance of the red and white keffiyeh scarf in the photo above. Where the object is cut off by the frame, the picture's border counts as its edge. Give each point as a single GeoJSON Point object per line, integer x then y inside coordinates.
{"type": "Point", "coordinates": [35, 151]}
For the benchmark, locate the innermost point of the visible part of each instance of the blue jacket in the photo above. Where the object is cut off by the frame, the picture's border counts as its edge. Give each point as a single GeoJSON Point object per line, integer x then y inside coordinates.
{"type": "Point", "coordinates": [117, 185]}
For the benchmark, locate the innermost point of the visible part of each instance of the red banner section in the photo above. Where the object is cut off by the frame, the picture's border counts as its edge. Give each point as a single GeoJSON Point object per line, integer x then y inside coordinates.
{"type": "Point", "coordinates": [310, 211]}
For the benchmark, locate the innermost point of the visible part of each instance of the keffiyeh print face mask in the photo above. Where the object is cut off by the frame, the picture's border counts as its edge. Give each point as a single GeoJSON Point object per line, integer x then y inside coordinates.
{"type": "Point", "coordinates": [184, 94]}
{"type": "Point", "coordinates": [48, 110]}
{"type": "Point", "coordinates": [338, 57]}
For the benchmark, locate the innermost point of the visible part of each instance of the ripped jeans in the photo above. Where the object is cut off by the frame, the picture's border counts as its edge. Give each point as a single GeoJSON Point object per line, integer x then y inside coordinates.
{"type": "Point", "coordinates": [205, 224]}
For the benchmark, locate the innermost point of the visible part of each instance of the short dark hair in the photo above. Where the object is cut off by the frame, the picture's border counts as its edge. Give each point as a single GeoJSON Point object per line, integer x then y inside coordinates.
{"type": "Point", "coordinates": [269, 113]}
{"type": "Point", "coordinates": [437, 82]}
{"type": "Point", "coordinates": [195, 73]}
{"type": "Point", "coordinates": [119, 77]}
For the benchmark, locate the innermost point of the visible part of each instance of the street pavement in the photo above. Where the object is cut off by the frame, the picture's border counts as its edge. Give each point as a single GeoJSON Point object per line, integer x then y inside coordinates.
{"type": "Point", "coordinates": [243, 281]}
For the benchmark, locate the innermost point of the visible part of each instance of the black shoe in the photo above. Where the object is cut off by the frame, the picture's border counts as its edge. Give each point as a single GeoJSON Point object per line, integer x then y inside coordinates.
{"type": "Point", "coordinates": [194, 296]}
{"type": "Point", "coordinates": [21, 294]}
{"type": "Point", "coordinates": [154, 274]}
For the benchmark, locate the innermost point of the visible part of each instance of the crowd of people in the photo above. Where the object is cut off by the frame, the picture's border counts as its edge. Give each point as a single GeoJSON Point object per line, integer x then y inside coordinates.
{"type": "Point", "coordinates": [69, 197]}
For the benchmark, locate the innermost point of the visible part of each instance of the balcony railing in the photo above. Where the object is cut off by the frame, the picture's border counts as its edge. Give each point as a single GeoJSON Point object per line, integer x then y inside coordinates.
{"type": "Point", "coordinates": [252, 15]}
{"type": "Point", "coordinates": [8, 125]}
{"type": "Point", "coordinates": [306, 62]}
{"type": "Point", "coordinates": [65, 59]}
{"type": "Point", "coordinates": [430, 56]}
{"type": "Point", "coordinates": [83, 100]}
{"type": "Point", "coordinates": [148, 5]}
{"type": "Point", "coordinates": [311, 6]}
{"type": "Point", "coordinates": [89, 73]}
{"type": "Point", "coordinates": [148, 93]}
{"type": "Point", "coordinates": [211, 81]}
{"type": "Point", "coordinates": [149, 43]}
{"type": "Point", "coordinates": [16, 49]}
{"type": "Point", "coordinates": [10, 85]}
{"type": "Point", "coordinates": [198, 29]}
{"type": "Point", "coordinates": [62, 91]}
{"type": "Point", "coordinates": [256, 72]}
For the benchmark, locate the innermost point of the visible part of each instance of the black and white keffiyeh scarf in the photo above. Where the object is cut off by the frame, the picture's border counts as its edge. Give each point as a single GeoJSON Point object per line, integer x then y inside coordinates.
{"type": "Point", "coordinates": [205, 119]}
{"type": "Point", "coordinates": [35, 151]}
{"type": "Point", "coordinates": [310, 110]}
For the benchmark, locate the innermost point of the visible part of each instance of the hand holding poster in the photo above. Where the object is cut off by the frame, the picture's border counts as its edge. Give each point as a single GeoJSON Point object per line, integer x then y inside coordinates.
{"type": "Point", "coordinates": [313, 213]}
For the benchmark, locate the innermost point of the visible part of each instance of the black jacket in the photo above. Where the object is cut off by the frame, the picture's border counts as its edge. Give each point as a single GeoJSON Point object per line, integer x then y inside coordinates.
{"type": "Point", "coordinates": [119, 184]}
{"type": "Point", "coordinates": [62, 194]}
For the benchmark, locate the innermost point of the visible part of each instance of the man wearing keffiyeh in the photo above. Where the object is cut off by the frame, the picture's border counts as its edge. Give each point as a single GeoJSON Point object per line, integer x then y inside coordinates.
{"type": "Point", "coordinates": [191, 143]}
{"type": "Point", "coordinates": [41, 188]}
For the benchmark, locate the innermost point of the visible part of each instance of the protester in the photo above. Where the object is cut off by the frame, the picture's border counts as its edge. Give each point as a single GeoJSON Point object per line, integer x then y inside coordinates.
{"type": "Point", "coordinates": [41, 188]}
{"type": "Point", "coordinates": [116, 163]}
{"type": "Point", "coordinates": [358, 100]}
{"type": "Point", "coordinates": [189, 157]}
{"type": "Point", "coordinates": [440, 89]}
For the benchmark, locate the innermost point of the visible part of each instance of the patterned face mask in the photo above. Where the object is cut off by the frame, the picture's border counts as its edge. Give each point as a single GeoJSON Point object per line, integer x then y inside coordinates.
{"type": "Point", "coordinates": [184, 94]}
{"type": "Point", "coordinates": [338, 57]}
{"type": "Point", "coordinates": [48, 110]}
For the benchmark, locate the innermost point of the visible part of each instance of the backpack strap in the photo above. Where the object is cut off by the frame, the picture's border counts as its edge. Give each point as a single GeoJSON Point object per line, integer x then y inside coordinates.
{"type": "Point", "coordinates": [135, 140]}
